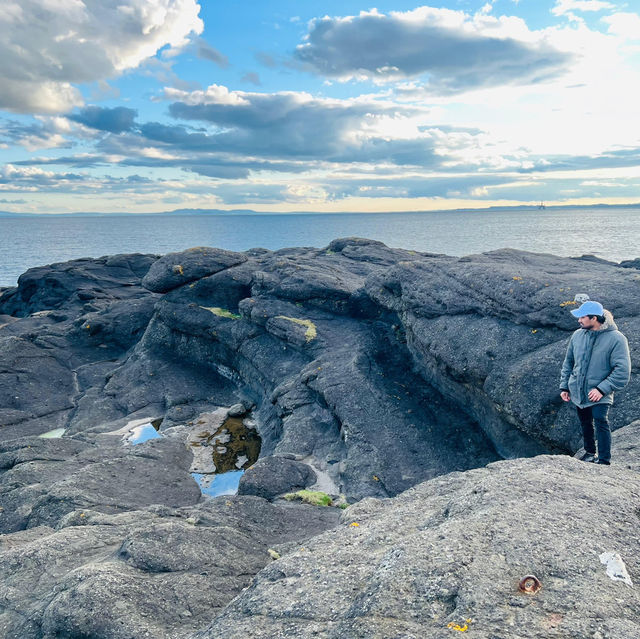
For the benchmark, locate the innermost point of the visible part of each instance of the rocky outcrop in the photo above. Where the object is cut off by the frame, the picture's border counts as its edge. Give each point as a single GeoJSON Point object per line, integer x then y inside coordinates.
{"type": "Point", "coordinates": [77, 283]}
{"type": "Point", "coordinates": [176, 269]}
{"type": "Point", "coordinates": [626, 446]}
{"type": "Point", "coordinates": [270, 477]}
{"type": "Point", "coordinates": [383, 367]}
{"type": "Point", "coordinates": [70, 327]}
{"type": "Point", "coordinates": [448, 556]}
{"type": "Point", "coordinates": [101, 539]}
{"type": "Point", "coordinates": [370, 372]}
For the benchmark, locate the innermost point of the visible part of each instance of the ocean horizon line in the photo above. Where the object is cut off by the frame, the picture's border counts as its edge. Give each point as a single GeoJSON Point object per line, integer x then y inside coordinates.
{"type": "Point", "coordinates": [239, 212]}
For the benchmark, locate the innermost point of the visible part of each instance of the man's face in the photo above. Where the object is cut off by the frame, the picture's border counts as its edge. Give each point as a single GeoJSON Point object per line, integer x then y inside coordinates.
{"type": "Point", "coordinates": [587, 322]}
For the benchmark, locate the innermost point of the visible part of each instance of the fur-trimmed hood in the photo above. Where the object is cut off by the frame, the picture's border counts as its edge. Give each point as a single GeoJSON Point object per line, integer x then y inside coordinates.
{"type": "Point", "coordinates": [609, 324]}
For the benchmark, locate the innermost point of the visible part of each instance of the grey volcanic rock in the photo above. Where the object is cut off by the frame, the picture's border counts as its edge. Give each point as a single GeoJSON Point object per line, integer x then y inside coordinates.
{"type": "Point", "coordinates": [147, 573]}
{"type": "Point", "coordinates": [33, 383]}
{"type": "Point", "coordinates": [72, 324]}
{"type": "Point", "coordinates": [490, 331]}
{"type": "Point", "coordinates": [326, 384]}
{"type": "Point", "coordinates": [382, 366]}
{"type": "Point", "coordinates": [625, 445]}
{"type": "Point", "coordinates": [176, 269]}
{"type": "Point", "coordinates": [102, 539]}
{"type": "Point", "coordinates": [75, 283]}
{"type": "Point", "coordinates": [63, 475]}
{"type": "Point", "coordinates": [449, 554]}
{"type": "Point", "coordinates": [120, 327]}
{"type": "Point", "coordinates": [631, 263]}
{"type": "Point", "coordinates": [63, 365]}
{"type": "Point", "coordinates": [272, 476]}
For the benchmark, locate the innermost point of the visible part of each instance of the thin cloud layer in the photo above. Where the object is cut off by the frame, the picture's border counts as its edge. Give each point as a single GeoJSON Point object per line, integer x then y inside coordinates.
{"type": "Point", "coordinates": [207, 52]}
{"type": "Point", "coordinates": [48, 46]}
{"type": "Point", "coordinates": [454, 51]}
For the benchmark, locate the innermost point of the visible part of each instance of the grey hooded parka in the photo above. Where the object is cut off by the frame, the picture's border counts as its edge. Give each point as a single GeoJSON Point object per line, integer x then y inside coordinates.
{"type": "Point", "coordinates": [596, 359]}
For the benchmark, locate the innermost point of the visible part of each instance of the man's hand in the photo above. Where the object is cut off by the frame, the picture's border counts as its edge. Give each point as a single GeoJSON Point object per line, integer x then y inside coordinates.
{"type": "Point", "coordinates": [595, 395]}
{"type": "Point", "coordinates": [565, 396]}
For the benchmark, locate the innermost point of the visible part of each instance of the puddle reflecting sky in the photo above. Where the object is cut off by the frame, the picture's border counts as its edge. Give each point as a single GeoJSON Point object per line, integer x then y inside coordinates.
{"type": "Point", "coordinates": [216, 485]}
{"type": "Point", "coordinates": [143, 433]}
{"type": "Point", "coordinates": [53, 434]}
{"type": "Point", "coordinates": [231, 448]}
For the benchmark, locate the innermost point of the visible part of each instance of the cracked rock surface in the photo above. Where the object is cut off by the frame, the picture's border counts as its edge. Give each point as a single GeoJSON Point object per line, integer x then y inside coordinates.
{"type": "Point", "coordinates": [104, 540]}
{"type": "Point", "coordinates": [423, 387]}
{"type": "Point", "coordinates": [449, 554]}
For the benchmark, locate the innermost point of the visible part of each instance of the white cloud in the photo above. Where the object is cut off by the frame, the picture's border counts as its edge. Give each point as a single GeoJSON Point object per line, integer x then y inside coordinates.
{"type": "Point", "coordinates": [563, 7]}
{"type": "Point", "coordinates": [213, 94]}
{"type": "Point", "coordinates": [48, 46]}
{"type": "Point", "coordinates": [625, 25]}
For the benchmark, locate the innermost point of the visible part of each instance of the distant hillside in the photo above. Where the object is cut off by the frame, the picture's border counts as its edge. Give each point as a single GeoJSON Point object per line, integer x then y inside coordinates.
{"type": "Point", "coordinates": [532, 207]}
{"type": "Point", "coordinates": [94, 214]}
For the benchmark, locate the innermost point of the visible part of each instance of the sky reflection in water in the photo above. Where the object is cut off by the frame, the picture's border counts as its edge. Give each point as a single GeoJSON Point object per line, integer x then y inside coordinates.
{"type": "Point", "coordinates": [225, 484]}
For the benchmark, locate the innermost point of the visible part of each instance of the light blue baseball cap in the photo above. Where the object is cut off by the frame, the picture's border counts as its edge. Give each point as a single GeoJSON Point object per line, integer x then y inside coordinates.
{"type": "Point", "coordinates": [588, 308]}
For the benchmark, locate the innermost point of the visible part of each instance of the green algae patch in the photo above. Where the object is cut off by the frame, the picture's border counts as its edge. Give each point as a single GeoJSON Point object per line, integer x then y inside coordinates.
{"type": "Point", "coordinates": [315, 498]}
{"type": "Point", "coordinates": [311, 332]}
{"type": "Point", "coordinates": [221, 312]}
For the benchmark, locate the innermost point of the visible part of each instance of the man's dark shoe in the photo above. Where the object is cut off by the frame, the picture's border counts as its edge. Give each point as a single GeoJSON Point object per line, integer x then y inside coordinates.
{"type": "Point", "coordinates": [603, 462]}
{"type": "Point", "coordinates": [589, 457]}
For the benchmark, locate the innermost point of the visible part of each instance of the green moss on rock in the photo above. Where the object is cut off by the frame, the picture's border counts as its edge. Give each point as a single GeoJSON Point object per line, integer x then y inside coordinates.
{"type": "Point", "coordinates": [311, 332]}
{"type": "Point", "coordinates": [315, 498]}
{"type": "Point", "coordinates": [221, 312]}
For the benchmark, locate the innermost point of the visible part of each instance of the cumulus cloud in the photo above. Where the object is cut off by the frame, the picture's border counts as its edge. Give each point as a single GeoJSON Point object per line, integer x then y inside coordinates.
{"type": "Point", "coordinates": [626, 25]}
{"type": "Point", "coordinates": [31, 179]}
{"type": "Point", "coordinates": [47, 46]}
{"type": "Point", "coordinates": [26, 178]}
{"type": "Point", "coordinates": [116, 120]}
{"type": "Point", "coordinates": [455, 51]}
{"type": "Point", "coordinates": [79, 160]}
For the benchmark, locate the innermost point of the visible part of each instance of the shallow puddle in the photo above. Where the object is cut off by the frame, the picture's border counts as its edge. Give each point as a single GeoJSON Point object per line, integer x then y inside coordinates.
{"type": "Point", "coordinates": [53, 434]}
{"type": "Point", "coordinates": [224, 454]}
{"type": "Point", "coordinates": [216, 485]}
{"type": "Point", "coordinates": [143, 433]}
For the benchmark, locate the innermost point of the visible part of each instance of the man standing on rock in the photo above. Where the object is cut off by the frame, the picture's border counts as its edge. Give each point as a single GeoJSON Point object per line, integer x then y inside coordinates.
{"type": "Point", "coordinates": [597, 363]}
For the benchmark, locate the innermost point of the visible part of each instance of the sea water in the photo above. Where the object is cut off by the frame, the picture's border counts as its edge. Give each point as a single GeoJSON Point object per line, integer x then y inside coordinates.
{"type": "Point", "coordinates": [609, 233]}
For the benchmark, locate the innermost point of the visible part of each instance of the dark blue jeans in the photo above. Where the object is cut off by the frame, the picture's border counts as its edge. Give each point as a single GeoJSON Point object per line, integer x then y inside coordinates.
{"type": "Point", "coordinates": [596, 414]}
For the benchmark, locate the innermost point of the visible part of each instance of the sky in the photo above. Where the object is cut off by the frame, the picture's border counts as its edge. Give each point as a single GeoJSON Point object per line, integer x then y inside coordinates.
{"type": "Point", "coordinates": [291, 105]}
